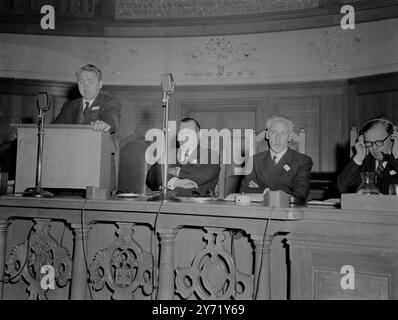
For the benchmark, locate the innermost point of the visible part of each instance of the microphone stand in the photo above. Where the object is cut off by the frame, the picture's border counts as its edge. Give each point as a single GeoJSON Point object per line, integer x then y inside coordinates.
{"type": "Point", "coordinates": [164, 196]}
{"type": "Point", "coordinates": [37, 191]}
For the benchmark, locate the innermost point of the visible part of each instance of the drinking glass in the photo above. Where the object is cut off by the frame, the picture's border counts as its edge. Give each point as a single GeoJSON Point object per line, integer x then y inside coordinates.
{"type": "Point", "coordinates": [368, 185]}
{"type": "Point", "coordinates": [393, 189]}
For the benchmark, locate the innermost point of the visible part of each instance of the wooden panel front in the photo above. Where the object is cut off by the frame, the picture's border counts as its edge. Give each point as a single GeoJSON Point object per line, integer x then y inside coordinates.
{"type": "Point", "coordinates": [317, 272]}
{"type": "Point", "coordinates": [72, 158]}
{"type": "Point", "coordinates": [368, 286]}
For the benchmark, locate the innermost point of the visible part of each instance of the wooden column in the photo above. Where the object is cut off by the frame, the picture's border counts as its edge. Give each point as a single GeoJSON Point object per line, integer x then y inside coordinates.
{"type": "Point", "coordinates": [166, 264]}
{"type": "Point", "coordinates": [262, 276]}
{"type": "Point", "coordinates": [3, 236]}
{"type": "Point", "coordinates": [79, 269]}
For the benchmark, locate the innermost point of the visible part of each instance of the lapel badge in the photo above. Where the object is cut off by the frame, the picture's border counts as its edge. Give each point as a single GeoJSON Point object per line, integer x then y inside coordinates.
{"type": "Point", "coordinates": [94, 108]}
{"type": "Point", "coordinates": [392, 173]}
{"type": "Point", "coordinates": [286, 167]}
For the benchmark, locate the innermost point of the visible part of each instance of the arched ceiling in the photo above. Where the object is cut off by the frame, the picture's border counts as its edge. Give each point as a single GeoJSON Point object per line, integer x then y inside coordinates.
{"type": "Point", "coordinates": [170, 18]}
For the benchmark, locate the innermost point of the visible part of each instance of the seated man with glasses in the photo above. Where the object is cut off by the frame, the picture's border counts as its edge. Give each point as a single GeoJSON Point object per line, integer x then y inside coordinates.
{"type": "Point", "coordinates": [376, 151]}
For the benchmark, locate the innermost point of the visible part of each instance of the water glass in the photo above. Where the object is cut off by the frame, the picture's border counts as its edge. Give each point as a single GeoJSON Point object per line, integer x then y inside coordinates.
{"type": "Point", "coordinates": [393, 189]}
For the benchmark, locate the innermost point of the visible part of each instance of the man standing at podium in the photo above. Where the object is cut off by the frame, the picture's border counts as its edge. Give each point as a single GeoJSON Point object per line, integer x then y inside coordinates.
{"type": "Point", "coordinates": [94, 107]}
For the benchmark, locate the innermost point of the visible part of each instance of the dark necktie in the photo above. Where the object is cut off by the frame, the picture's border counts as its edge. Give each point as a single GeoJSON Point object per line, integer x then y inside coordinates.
{"type": "Point", "coordinates": [274, 160]}
{"type": "Point", "coordinates": [379, 171]}
{"type": "Point", "coordinates": [82, 113]}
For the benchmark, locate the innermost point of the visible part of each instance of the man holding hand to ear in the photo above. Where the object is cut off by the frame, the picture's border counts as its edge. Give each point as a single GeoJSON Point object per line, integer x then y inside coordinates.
{"type": "Point", "coordinates": [95, 108]}
{"type": "Point", "coordinates": [376, 151]}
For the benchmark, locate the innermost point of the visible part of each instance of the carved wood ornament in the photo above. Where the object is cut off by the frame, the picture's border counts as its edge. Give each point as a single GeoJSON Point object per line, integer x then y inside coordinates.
{"type": "Point", "coordinates": [124, 266]}
{"type": "Point", "coordinates": [43, 250]}
{"type": "Point", "coordinates": [213, 273]}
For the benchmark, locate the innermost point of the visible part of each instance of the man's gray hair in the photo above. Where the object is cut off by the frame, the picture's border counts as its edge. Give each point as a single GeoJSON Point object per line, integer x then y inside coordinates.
{"type": "Point", "coordinates": [90, 68]}
{"type": "Point", "coordinates": [289, 123]}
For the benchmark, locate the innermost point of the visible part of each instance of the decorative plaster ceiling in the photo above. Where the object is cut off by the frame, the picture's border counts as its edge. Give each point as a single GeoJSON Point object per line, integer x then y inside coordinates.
{"type": "Point", "coordinates": [175, 18]}
{"type": "Point", "coordinates": [139, 9]}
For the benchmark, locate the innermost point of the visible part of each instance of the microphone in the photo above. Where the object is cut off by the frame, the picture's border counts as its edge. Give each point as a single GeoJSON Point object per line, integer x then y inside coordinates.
{"type": "Point", "coordinates": [42, 101]}
{"type": "Point", "coordinates": [167, 83]}
{"type": "Point", "coordinates": [43, 106]}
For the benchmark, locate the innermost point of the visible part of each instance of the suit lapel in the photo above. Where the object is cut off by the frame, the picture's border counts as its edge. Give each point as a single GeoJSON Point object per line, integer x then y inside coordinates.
{"type": "Point", "coordinates": [192, 158]}
{"type": "Point", "coordinates": [280, 169]}
{"type": "Point", "coordinates": [96, 103]}
{"type": "Point", "coordinates": [369, 164]}
{"type": "Point", "coordinates": [266, 170]}
{"type": "Point", "coordinates": [78, 109]}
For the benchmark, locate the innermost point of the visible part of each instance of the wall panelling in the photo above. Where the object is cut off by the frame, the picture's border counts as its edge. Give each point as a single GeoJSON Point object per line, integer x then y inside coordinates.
{"type": "Point", "coordinates": [325, 109]}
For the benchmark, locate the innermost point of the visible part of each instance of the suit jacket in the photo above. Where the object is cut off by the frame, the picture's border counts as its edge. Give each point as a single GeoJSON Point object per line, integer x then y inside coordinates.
{"type": "Point", "coordinates": [292, 174]}
{"type": "Point", "coordinates": [108, 111]}
{"type": "Point", "coordinates": [349, 179]}
{"type": "Point", "coordinates": [205, 175]}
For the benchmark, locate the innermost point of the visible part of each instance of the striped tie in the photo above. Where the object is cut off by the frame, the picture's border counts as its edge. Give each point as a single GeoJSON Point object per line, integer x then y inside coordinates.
{"type": "Point", "coordinates": [379, 171]}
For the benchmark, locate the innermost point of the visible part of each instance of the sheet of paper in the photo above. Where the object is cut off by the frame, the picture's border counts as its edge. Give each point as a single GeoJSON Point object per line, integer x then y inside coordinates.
{"type": "Point", "coordinates": [254, 197]}
{"type": "Point", "coordinates": [328, 202]}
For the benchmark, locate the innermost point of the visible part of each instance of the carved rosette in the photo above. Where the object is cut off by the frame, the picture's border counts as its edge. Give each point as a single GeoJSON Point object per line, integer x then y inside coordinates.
{"type": "Point", "coordinates": [336, 48]}
{"type": "Point", "coordinates": [213, 273]}
{"type": "Point", "coordinates": [228, 58]}
{"type": "Point", "coordinates": [123, 266]}
{"type": "Point", "coordinates": [43, 250]}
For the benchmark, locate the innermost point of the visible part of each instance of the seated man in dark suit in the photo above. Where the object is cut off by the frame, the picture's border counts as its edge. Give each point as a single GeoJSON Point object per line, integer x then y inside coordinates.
{"type": "Point", "coordinates": [194, 174]}
{"type": "Point", "coordinates": [376, 151]}
{"type": "Point", "coordinates": [8, 149]}
{"type": "Point", "coordinates": [94, 107]}
{"type": "Point", "coordinates": [280, 167]}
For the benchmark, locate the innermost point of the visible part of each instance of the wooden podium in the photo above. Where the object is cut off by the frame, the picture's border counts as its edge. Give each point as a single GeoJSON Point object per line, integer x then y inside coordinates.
{"type": "Point", "coordinates": [74, 157]}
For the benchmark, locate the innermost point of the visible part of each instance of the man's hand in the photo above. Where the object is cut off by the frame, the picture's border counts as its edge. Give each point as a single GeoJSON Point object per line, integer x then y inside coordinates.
{"type": "Point", "coordinates": [100, 126]}
{"type": "Point", "coordinates": [186, 184]}
{"type": "Point", "coordinates": [394, 149]}
{"type": "Point", "coordinates": [361, 150]}
{"type": "Point", "coordinates": [252, 184]}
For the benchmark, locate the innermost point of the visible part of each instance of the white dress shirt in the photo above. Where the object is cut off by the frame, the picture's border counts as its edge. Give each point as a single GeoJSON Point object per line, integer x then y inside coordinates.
{"type": "Point", "coordinates": [90, 102]}
{"type": "Point", "coordinates": [383, 164]}
{"type": "Point", "coordinates": [277, 156]}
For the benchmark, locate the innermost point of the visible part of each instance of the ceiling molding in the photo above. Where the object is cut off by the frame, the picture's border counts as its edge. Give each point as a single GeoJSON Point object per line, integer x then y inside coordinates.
{"type": "Point", "coordinates": [101, 18]}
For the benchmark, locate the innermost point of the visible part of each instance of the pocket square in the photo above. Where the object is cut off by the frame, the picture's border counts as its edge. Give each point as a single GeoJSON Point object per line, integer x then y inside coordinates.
{"type": "Point", "coordinates": [392, 173]}
{"type": "Point", "coordinates": [286, 167]}
{"type": "Point", "coordinates": [94, 108]}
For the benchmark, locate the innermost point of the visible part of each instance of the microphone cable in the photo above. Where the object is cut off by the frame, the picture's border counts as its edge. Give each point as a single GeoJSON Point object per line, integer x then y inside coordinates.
{"type": "Point", "coordinates": [255, 290]}
{"type": "Point", "coordinates": [155, 260]}
{"type": "Point", "coordinates": [84, 249]}
{"type": "Point", "coordinates": [62, 236]}
{"type": "Point", "coordinates": [235, 265]}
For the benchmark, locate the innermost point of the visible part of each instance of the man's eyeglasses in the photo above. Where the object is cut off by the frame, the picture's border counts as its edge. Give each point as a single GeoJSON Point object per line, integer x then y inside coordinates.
{"type": "Point", "coordinates": [377, 143]}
